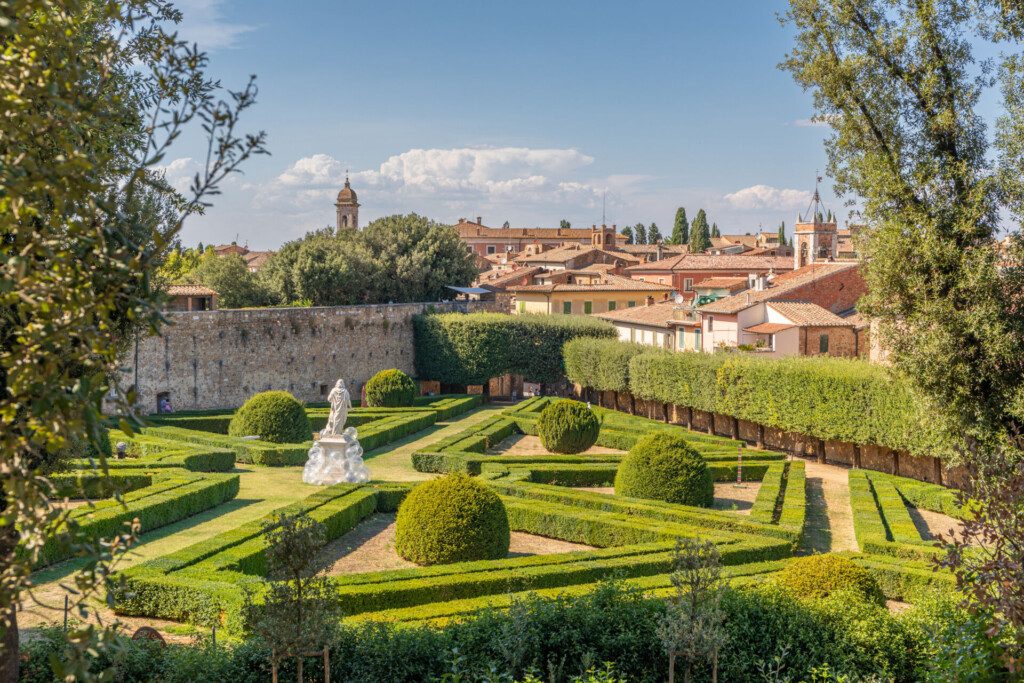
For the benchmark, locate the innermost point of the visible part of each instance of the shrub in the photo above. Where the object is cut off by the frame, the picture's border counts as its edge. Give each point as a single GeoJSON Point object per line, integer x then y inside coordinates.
{"type": "Point", "coordinates": [274, 416]}
{"type": "Point", "coordinates": [817, 576]}
{"type": "Point", "coordinates": [668, 468]}
{"type": "Point", "coordinates": [452, 519]}
{"type": "Point", "coordinates": [457, 348]}
{"type": "Point", "coordinates": [390, 389]}
{"type": "Point", "coordinates": [600, 363]}
{"type": "Point", "coordinates": [568, 427]}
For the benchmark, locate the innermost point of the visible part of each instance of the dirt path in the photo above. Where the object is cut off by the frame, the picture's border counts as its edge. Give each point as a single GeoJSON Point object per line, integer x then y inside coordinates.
{"type": "Point", "coordinates": [524, 444]}
{"type": "Point", "coordinates": [931, 524]}
{"type": "Point", "coordinates": [736, 499]}
{"type": "Point", "coordinates": [829, 524]}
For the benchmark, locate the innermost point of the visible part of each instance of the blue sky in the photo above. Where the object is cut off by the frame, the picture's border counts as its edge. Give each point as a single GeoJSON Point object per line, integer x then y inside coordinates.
{"type": "Point", "coordinates": [527, 112]}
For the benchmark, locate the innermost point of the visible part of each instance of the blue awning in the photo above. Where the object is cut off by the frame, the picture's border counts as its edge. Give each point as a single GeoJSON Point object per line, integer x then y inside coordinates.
{"type": "Point", "coordinates": [470, 290]}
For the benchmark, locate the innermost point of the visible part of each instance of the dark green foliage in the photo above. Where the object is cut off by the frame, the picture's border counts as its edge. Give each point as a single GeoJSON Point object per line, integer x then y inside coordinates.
{"type": "Point", "coordinates": [667, 468]}
{"type": "Point", "coordinates": [451, 519]}
{"type": "Point", "coordinates": [818, 576]}
{"type": "Point", "coordinates": [568, 427]}
{"type": "Point", "coordinates": [628, 233]}
{"type": "Point", "coordinates": [274, 416]}
{"type": "Point", "coordinates": [390, 389]}
{"type": "Point", "coordinates": [680, 228]}
{"type": "Point", "coordinates": [235, 284]}
{"type": "Point", "coordinates": [601, 364]}
{"type": "Point", "coordinates": [700, 233]}
{"type": "Point", "coordinates": [471, 349]}
{"type": "Point", "coordinates": [654, 234]}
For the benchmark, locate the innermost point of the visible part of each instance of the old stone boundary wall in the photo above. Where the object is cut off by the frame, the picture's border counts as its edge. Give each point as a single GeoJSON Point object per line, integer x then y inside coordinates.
{"type": "Point", "coordinates": [866, 456]}
{"type": "Point", "coordinates": [218, 359]}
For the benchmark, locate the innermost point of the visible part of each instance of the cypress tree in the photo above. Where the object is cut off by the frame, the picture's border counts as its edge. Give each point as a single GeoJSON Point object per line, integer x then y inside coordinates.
{"type": "Point", "coordinates": [714, 230]}
{"type": "Point", "coordinates": [641, 233]}
{"type": "Point", "coordinates": [782, 234]}
{"type": "Point", "coordinates": [653, 234]}
{"type": "Point", "coordinates": [681, 229]}
{"type": "Point", "coordinates": [628, 232]}
{"type": "Point", "coordinates": [700, 233]}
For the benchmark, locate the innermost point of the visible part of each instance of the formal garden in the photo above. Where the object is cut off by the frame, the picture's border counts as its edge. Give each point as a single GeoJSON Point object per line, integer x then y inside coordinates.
{"type": "Point", "coordinates": [545, 539]}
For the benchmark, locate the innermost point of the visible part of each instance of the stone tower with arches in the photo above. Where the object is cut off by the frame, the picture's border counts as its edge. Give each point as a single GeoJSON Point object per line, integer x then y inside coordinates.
{"type": "Point", "coordinates": [815, 237]}
{"type": "Point", "coordinates": [348, 208]}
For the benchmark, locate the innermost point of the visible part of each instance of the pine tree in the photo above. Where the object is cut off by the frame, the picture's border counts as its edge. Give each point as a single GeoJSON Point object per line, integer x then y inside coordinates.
{"type": "Point", "coordinates": [628, 232]}
{"type": "Point", "coordinates": [564, 224]}
{"type": "Point", "coordinates": [700, 233]}
{"type": "Point", "coordinates": [641, 233]}
{"type": "Point", "coordinates": [681, 229]}
{"type": "Point", "coordinates": [654, 234]}
{"type": "Point", "coordinates": [714, 230]}
{"type": "Point", "coordinates": [782, 234]}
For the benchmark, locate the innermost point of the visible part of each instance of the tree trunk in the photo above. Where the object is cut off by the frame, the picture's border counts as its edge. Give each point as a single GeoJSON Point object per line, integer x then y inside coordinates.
{"type": "Point", "coordinates": [856, 455]}
{"type": "Point", "coordinates": [711, 424]}
{"type": "Point", "coordinates": [735, 428]}
{"type": "Point", "coordinates": [714, 667]}
{"type": "Point", "coordinates": [9, 658]}
{"type": "Point", "coordinates": [671, 668]}
{"type": "Point", "coordinates": [760, 436]}
{"type": "Point", "coordinates": [689, 417]}
{"type": "Point", "coordinates": [819, 448]}
{"type": "Point", "coordinates": [632, 404]}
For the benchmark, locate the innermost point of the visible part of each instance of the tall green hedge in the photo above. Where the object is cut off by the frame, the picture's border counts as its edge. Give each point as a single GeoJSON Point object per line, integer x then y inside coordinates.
{"type": "Point", "coordinates": [839, 399]}
{"type": "Point", "coordinates": [457, 348]}
{"type": "Point", "coordinates": [599, 363]}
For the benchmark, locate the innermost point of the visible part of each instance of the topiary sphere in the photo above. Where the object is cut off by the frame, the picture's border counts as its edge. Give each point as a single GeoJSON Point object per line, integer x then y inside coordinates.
{"type": "Point", "coordinates": [452, 519]}
{"type": "Point", "coordinates": [275, 416]}
{"type": "Point", "coordinates": [817, 576]}
{"type": "Point", "coordinates": [568, 427]}
{"type": "Point", "coordinates": [668, 468]}
{"type": "Point", "coordinates": [390, 389]}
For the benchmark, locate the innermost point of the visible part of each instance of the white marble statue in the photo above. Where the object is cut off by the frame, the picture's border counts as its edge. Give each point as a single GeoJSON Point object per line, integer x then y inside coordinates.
{"type": "Point", "coordinates": [336, 457]}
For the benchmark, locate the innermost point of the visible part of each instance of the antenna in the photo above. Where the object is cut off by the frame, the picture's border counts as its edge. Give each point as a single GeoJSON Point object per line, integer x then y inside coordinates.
{"type": "Point", "coordinates": [604, 198]}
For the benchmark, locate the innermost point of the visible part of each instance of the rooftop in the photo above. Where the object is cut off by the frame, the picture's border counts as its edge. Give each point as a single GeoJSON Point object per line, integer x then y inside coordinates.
{"type": "Point", "coordinates": [740, 262]}
{"type": "Point", "coordinates": [777, 289]}
{"type": "Point", "coordinates": [471, 229]}
{"type": "Point", "coordinates": [190, 290]}
{"type": "Point", "coordinates": [607, 283]}
{"type": "Point", "coordinates": [806, 314]}
{"type": "Point", "coordinates": [655, 315]}
{"type": "Point", "coordinates": [733, 284]}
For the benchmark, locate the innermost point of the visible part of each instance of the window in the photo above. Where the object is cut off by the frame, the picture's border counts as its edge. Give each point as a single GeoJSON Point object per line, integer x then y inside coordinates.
{"type": "Point", "coordinates": [588, 307]}
{"type": "Point", "coordinates": [680, 340]}
{"type": "Point", "coordinates": [567, 307]}
{"type": "Point", "coordinates": [641, 279]}
{"type": "Point", "coordinates": [661, 280]}
{"type": "Point", "coordinates": [522, 307]}
{"type": "Point", "coordinates": [697, 345]}
{"type": "Point", "coordinates": [491, 249]}
{"type": "Point", "coordinates": [611, 305]}
{"type": "Point", "coordinates": [630, 304]}
{"type": "Point", "coordinates": [688, 284]}
{"type": "Point", "coordinates": [711, 323]}
{"type": "Point", "coordinates": [823, 343]}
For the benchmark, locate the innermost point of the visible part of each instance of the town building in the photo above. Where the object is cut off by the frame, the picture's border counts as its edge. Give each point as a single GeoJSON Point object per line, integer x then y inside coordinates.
{"type": "Point", "coordinates": [662, 324]}
{"type": "Point", "coordinates": [584, 292]}
{"type": "Point", "coordinates": [254, 260]}
{"type": "Point", "coordinates": [574, 256]}
{"type": "Point", "coordinates": [347, 208]}
{"type": "Point", "coordinates": [484, 240]}
{"type": "Point", "coordinates": [191, 298]}
{"type": "Point", "coordinates": [684, 271]}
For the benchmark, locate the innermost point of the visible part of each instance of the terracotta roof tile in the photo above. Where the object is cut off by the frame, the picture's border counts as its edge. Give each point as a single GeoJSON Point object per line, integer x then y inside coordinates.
{"type": "Point", "coordinates": [778, 288]}
{"type": "Point", "coordinates": [469, 229]}
{"type": "Point", "coordinates": [655, 315]}
{"type": "Point", "coordinates": [607, 283]}
{"type": "Point", "coordinates": [722, 282]}
{"type": "Point", "coordinates": [190, 290]}
{"type": "Point", "coordinates": [806, 314]}
{"type": "Point", "coordinates": [769, 328]}
{"type": "Point", "coordinates": [720, 262]}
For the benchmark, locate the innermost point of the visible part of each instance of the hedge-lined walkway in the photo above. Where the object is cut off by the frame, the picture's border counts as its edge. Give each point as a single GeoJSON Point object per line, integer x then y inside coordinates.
{"type": "Point", "coordinates": [829, 522]}
{"type": "Point", "coordinates": [261, 490]}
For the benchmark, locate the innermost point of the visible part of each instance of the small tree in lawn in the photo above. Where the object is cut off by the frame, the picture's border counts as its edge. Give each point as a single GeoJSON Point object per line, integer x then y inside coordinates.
{"type": "Point", "coordinates": [299, 609]}
{"type": "Point", "coordinates": [693, 625]}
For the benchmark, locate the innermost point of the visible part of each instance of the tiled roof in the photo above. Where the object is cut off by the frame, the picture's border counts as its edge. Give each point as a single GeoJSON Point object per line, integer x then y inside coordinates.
{"type": "Point", "coordinates": [749, 241]}
{"type": "Point", "coordinates": [722, 282]}
{"type": "Point", "coordinates": [655, 315]}
{"type": "Point", "coordinates": [778, 289]}
{"type": "Point", "coordinates": [571, 251]}
{"type": "Point", "coordinates": [720, 262]}
{"type": "Point", "coordinates": [607, 283]}
{"type": "Point", "coordinates": [190, 290]}
{"type": "Point", "coordinates": [500, 278]}
{"type": "Point", "coordinates": [806, 314]}
{"type": "Point", "coordinates": [769, 328]}
{"type": "Point", "coordinates": [257, 259]}
{"type": "Point", "coordinates": [469, 229]}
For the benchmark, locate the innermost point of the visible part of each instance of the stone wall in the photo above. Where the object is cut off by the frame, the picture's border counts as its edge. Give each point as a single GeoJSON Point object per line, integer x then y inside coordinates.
{"type": "Point", "coordinates": [217, 359]}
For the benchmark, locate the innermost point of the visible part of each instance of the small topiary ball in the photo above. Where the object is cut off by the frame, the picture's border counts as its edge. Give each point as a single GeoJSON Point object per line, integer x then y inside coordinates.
{"type": "Point", "coordinates": [452, 519]}
{"type": "Point", "coordinates": [817, 576]}
{"type": "Point", "coordinates": [668, 468]}
{"type": "Point", "coordinates": [275, 416]}
{"type": "Point", "coordinates": [568, 427]}
{"type": "Point", "coordinates": [390, 389]}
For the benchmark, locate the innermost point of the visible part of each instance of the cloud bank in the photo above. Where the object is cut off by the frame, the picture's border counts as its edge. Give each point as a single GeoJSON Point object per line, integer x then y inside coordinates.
{"type": "Point", "coordinates": [766, 197]}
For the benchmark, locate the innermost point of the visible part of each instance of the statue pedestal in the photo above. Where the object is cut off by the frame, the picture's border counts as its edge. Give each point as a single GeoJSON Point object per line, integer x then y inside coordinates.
{"type": "Point", "coordinates": [336, 460]}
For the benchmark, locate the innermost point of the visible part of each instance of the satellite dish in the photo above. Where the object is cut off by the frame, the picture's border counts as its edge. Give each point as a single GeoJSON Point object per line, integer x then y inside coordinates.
{"type": "Point", "coordinates": [680, 299]}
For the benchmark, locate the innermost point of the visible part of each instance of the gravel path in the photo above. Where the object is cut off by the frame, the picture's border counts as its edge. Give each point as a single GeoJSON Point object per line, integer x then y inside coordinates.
{"type": "Point", "coordinates": [829, 524]}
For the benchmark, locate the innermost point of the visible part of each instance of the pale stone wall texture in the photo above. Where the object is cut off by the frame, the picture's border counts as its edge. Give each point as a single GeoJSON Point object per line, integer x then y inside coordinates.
{"type": "Point", "coordinates": [218, 359]}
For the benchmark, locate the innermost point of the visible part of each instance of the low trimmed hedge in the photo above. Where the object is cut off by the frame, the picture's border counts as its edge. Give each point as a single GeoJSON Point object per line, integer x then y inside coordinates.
{"type": "Point", "coordinates": [601, 364]}
{"type": "Point", "coordinates": [818, 576]}
{"type": "Point", "coordinates": [870, 522]}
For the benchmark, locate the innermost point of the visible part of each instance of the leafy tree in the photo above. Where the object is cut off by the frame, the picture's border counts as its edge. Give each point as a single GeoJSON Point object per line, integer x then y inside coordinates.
{"type": "Point", "coordinates": [628, 232]}
{"type": "Point", "coordinates": [654, 234]}
{"type": "Point", "coordinates": [681, 228]}
{"type": "Point", "coordinates": [299, 609]}
{"type": "Point", "coordinates": [782, 234]}
{"type": "Point", "coordinates": [897, 83]}
{"type": "Point", "coordinates": [181, 265]}
{"type": "Point", "coordinates": [641, 233]}
{"type": "Point", "coordinates": [693, 626]}
{"type": "Point", "coordinates": [93, 95]}
{"type": "Point", "coordinates": [714, 230]}
{"type": "Point", "coordinates": [235, 284]}
{"type": "Point", "coordinates": [700, 233]}
{"type": "Point", "coordinates": [506, 225]}
{"type": "Point", "coordinates": [564, 224]}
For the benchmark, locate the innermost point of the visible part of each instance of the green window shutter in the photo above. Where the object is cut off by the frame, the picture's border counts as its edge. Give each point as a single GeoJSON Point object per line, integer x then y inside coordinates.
{"type": "Point", "coordinates": [588, 307]}
{"type": "Point", "coordinates": [567, 307]}
{"type": "Point", "coordinates": [630, 304]}
{"type": "Point", "coordinates": [823, 343]}
{"type": "Point", "coordinates": [611, 305]}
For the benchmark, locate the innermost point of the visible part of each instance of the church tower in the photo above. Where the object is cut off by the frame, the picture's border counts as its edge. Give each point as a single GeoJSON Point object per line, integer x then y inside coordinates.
{"type": "Point", "coordinates": [815, 237]}
{"type": "Point", "coordinates": [348, 208]}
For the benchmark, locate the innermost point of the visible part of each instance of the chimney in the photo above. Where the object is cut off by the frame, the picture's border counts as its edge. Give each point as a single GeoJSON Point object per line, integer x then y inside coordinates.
{"type": "Point", "coordinates": [657, 252]}
{"type": "Point", "coordinates": [479, 220]}
{"type": "Point", "coordinates": [649, 301]}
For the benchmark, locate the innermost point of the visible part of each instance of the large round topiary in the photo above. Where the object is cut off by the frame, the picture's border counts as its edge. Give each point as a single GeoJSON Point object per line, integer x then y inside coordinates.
{"type": "Point", "coordinates": [390, 389]}
{"type": "Point", "coordinates": [275, 416]}
{"type": "Point", "coordinates": [665, 467]}
{"type": "Point", "coordinates": [452, 519]}
{"type": "Point", "coordinates": [817, 576]}
{"type": "Point", "coordinates": [568, 427]}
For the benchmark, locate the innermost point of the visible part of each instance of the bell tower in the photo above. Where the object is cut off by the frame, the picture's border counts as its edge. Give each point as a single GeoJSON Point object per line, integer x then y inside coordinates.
{"type": "Point", "coordinates": [347, 208]}
{"type": "Point", "coordinates": [815, 237]}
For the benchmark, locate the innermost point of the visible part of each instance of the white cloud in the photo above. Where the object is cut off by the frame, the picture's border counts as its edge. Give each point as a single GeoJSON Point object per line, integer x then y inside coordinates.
{"type": "Point", "coordinates": [318, 170]}
{"type": "Point", "coordinates": [203, 23]}
{"type": "Point", "coordinates": [179, 173]}
{"type": "Point", "coordinates": [763, 197]}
